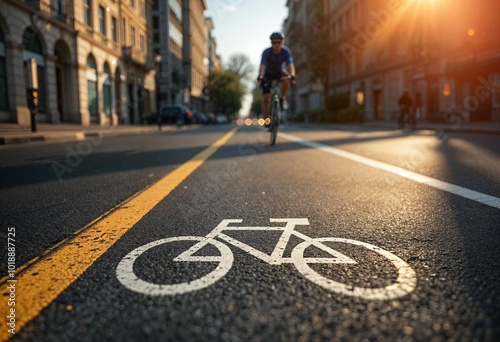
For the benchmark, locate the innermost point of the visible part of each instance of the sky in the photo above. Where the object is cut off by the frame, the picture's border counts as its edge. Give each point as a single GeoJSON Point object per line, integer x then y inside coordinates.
{"type": "Point", "coordinates": [244, 27]}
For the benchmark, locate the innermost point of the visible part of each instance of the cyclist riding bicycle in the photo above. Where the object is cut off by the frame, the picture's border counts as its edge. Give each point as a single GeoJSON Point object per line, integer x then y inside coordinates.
{"type": "Point", "coordinates": [405, 104]}
{"type": "Point", "coordinates": [272, 68]}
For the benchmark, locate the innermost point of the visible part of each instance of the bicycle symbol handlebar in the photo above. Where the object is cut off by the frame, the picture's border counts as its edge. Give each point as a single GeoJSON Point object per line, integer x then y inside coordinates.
{"type": "Point", "coordinates": [405, 283]}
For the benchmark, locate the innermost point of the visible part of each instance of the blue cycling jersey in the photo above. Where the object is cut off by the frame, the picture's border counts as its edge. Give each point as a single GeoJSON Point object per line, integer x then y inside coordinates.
{"type": "Point", "coordinates": [274, 63]}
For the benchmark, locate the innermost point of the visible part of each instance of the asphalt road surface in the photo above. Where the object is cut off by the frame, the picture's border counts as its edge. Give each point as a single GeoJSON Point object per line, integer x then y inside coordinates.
{"type": "Point", "coordinates": [210, 234]}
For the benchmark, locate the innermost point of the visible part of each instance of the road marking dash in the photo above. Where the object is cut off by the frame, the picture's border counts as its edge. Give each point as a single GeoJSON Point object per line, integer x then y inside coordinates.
{"type": "Point", "coordinates": [435, 183]}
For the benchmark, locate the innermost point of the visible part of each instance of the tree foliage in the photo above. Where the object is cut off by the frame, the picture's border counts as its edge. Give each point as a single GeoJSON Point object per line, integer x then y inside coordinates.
{"type": "Point", "coordinates": [256, 107]}
{"type": "Point", "coordinates": [314, 39]}
{"type": "Point", "coordinates": [318, 53]}
{"type": "Point", "coordinates": [226, 92]}
{"type": "Point", "coordinates": [240, 64]}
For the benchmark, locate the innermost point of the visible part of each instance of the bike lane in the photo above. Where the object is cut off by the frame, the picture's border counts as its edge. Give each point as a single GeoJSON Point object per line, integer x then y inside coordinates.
{"type": "Point", "coordinates": [248, 181]}
{"type": "Point", "coordinates": [41, 281]}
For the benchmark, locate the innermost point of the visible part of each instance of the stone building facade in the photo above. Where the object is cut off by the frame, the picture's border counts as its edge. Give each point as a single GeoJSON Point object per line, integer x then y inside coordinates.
{"type": "Point", "coordinates": [376, 48]}
{"type": "Point", "coordinates": [168, 45]}
{"type": "Point", "coordinates": [195, 52]}
{"type": "Point", "coordinates": [94, 59]}
{"type": "Point", "coordinates": [308, 95]}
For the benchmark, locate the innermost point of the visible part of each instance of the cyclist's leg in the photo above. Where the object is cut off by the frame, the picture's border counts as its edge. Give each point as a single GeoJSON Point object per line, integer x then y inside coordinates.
{"type": "Point", "coordinates": [413, 119]}
{"type": "Point", "coordinates": [266, 102]}
{"type": "Point", "coordinates": [402, 118]}
{"type": "Point", "coordinates": [285, 87]}
{"type": "Point", "coordinates": [266, 96]}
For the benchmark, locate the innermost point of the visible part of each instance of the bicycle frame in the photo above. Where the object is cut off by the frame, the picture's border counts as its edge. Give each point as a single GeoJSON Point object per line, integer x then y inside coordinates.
{"type": "Point", "coordinates": [408, 119]}
{"type": "Point", "coordinates": [275, 112]}
{"type": "Point", "coordinates": [276, 257]}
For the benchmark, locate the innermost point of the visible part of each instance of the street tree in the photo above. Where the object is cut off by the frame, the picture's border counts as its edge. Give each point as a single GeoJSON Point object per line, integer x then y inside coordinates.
{"type": "Point", "coordinates": [240, 64]}
{"type": "Point", "coordinates": [256, 107]}
{"type": "Point", "coordinates": [226, 92]}
{"type": "Point", "coordinates": [318, 54]}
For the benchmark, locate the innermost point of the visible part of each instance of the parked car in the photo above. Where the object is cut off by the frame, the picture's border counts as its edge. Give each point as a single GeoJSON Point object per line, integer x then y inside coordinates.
{"type": "Point", "coordinates": [211, 118]}
{"type": "Point", "coordinates": [221, 119]}
{"type": "Point", "coordinates": [201, 118]}
{"type": "Point", "coordinates": [172, 114]}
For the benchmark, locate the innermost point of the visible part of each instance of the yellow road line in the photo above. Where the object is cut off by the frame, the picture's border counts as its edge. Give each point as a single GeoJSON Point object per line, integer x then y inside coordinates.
{"type": "Point", "coordinates": [42, 282]}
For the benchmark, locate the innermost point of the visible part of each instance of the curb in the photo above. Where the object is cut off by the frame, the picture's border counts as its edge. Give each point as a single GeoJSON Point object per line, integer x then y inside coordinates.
{"type": "Point", "coordinates": [424, 127]}
{"type": "Point", "coordinates": [76, 136]}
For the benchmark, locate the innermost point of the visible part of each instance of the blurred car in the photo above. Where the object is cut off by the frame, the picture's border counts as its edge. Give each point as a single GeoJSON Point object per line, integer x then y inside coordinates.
{"type": "Point", "coordinates": [201, 118]}
{"type": "Point", "coordinates": [172, 114]}
{"type": "Point", "coordinates": [221, 119]}
{"type": "Point", "coordinates": [211, 118]}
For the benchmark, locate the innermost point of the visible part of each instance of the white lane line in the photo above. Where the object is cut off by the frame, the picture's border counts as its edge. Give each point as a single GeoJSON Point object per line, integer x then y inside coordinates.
{"type": "Point", "coordinates": [435, 183]}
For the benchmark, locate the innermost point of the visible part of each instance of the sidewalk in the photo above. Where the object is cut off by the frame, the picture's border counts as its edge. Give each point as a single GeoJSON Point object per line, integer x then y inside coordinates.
{"type": "Point", "coordinates": [462, 127]}
{"type": "Point", "coordinates": [492, 128]}
{"type": "Point", "coordinates": [11, 133]}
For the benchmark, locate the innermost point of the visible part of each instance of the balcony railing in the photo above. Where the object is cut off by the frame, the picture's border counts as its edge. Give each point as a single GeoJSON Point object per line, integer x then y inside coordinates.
{"type": "Point", "coordinates": [46, 8]}
{"type": "Point", "coordinates": [136, 55]}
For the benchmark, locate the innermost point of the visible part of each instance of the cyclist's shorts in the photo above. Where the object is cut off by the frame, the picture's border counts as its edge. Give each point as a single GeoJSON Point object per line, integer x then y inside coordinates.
{"type": "Point", "coordinates": [268, 79]}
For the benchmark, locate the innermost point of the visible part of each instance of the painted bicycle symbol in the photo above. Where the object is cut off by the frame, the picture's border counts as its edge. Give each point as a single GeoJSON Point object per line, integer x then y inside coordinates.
{"type": "Point", "coordinates": [404, 284]}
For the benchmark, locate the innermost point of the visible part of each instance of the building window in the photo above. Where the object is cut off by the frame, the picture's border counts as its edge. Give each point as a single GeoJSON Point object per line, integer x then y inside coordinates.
{"type": "Point", "coordinates": [106, 90]}
{"type": "Point", "coordinates": [132, 2]}
{"type": "Point", "coordinates": [132, 36]}
{"type": "Point", "coordinates": [4, 99]}
{"type": "Point", "coordinates": [102, 20]}
{"type": "Point", "coordinates": [87, 12]}
{"type": "Point", "coordinates": [92, 85]}
{"type": "Point", "coordinates": [124, 33]}
{"type": "Point", "coordinates": [59, 10]}
{"type": "Point", "coordinates": [114, 30]}
{"type": "Point", "coordinates": [141, 42]}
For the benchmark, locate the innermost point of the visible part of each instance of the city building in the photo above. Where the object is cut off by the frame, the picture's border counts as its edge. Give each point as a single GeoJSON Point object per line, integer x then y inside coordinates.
{"type": "Point", "coordinates": [94, 60]}
{"type": "Point", "coordinates": [214, 60]}
{"type": "Point", "coordinates": [168, 45]}
{"type": "Point", "coordinates": [37, 30]}
{"type": "Point", "coordinates": [377, 48]}
{"type": "Point", "coordinates": [308, 93]}
{"type": "Point", "coordinates": [195, 51]}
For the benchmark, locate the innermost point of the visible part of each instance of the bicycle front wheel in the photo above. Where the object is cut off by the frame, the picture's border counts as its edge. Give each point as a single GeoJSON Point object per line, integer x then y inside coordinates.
{"type": "Point", "coordinates": [404, 284]}
{"type": "Point", "coordinates": [412, 121]}
{"type": "Point", "coordinates": [128, 278]}
{"type": "Point", "coordinates": [274, 122]}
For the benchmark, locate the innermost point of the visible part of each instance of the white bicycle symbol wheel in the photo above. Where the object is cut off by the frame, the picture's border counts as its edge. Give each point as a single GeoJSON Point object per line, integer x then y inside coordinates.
{"type": "Point", "coordinates": [126, 275]}
{"type": "Point", "coordinates": [405, 283]}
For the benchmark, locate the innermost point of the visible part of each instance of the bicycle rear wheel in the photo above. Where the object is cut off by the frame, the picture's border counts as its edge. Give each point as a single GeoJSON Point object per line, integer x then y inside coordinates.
{"type": "Point", "coordinates": [412, 122]}
{"type": "Point", "coordinates": [274, 122]}
{"type": "Point", "coordinates": [126, 273]}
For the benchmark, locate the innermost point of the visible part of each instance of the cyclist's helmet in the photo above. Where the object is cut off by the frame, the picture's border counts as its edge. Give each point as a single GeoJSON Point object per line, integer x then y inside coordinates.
{"type": "Point", "coordinates": [277, 35]}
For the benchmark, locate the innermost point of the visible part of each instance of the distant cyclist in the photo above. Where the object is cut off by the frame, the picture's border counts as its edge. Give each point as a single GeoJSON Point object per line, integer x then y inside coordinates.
{"type": "Point", "coordinates": [276, 64]}
{"type": "Point", "coordinates": [405, 104]}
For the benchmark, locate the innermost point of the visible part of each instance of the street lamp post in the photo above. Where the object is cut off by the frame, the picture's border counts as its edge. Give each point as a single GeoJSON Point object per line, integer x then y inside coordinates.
{"type": "Point", "coordinates": [33, 92]}
{"type": "Point", "coordinates": [360, 100]}
{"type": "Point", "coordinates": [158, 83]}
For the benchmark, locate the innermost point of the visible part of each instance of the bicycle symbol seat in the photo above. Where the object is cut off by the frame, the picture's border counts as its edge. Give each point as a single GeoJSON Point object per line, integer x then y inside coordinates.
{"type": "Point", "coordinates": [404, 284]}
